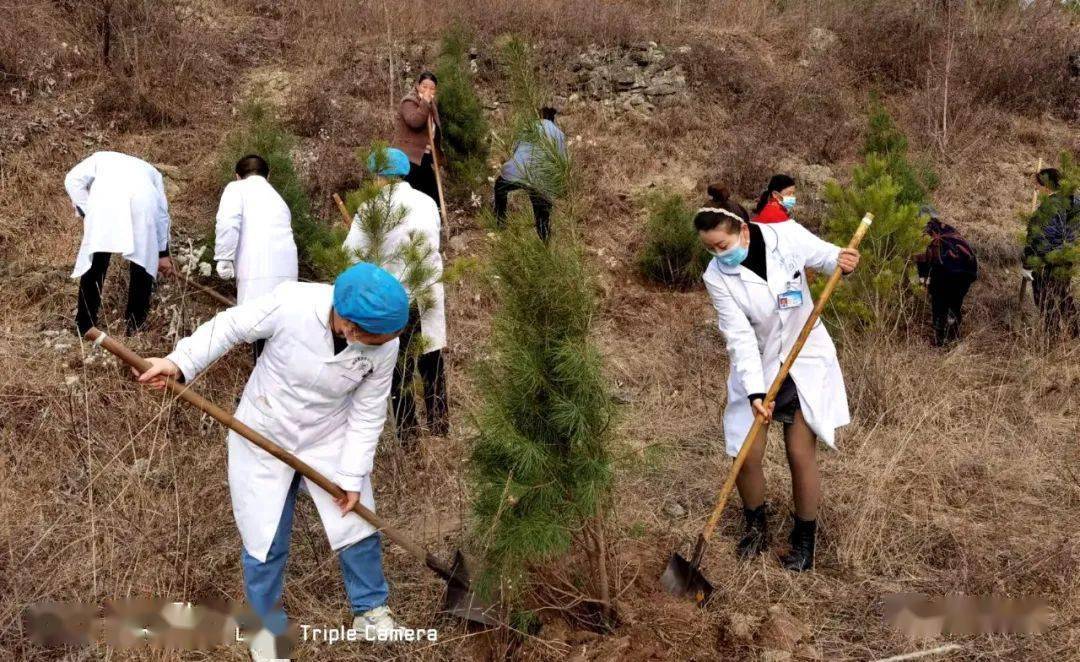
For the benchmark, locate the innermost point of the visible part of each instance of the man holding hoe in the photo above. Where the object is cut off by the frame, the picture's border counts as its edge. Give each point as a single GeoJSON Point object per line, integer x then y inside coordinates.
{"type": "Point", "coordinates": [320, 391]}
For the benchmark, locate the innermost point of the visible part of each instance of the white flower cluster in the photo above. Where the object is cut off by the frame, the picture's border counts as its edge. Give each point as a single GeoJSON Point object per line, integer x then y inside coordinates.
{"type": "Point", "coordinates": [187, 259]}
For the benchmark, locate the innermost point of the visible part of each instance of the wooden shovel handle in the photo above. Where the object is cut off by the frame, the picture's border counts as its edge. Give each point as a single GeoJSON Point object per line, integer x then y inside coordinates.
{"type": "Point", "coordinates": [184, 392]}
{"type": "Point", "coordinates": [435, 167]}
{"type": "Point", "coordinates": [344, 211]}
{"type": "Point", "coordinates": [759, 422]}
{"type": "Point", "coordinates": [213, 294]}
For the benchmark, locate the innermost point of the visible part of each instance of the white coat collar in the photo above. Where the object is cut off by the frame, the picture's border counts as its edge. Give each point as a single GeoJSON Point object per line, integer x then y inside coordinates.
{"type": "Point", "coordinates": [322, 305]}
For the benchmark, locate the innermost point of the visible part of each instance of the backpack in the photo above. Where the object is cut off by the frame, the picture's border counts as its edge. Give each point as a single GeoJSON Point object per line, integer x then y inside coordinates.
{"type": "Point", "coordinates": [949, 252]}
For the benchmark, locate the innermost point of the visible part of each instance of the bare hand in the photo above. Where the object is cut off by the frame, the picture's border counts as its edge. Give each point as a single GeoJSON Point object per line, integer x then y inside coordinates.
{"type": "Point", "coordinates": [346, 503]}
{"type": "Point", "coordinates": [759, 410]}
{"type": "Point", "coordinates": [158, 372]}
{"type": "Point", "coordinates": [427, 95]}
{"type": "Point", "coordinates": [848, 260]}
{"type": "Point", "coordinates": [165, 265]}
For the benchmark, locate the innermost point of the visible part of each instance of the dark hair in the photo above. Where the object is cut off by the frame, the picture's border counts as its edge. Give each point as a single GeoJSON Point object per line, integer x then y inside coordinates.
{"type": "Point", "coordinates": [1049, 177]}
{"type": "Point", "coordinates": [548, 113]}
{"type": "Point", "coordinates": [776, 184]}
{"type": "Point", "coordinates": [426, 75]}
{"type": "Point", "coordinates": [252, 164]}
{"type": "Point", "coordinates": [720, 198]}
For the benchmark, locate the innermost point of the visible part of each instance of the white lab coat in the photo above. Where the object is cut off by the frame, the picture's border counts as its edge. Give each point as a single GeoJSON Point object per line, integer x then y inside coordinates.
{"type": "Point", "coordinates": [326, 409]}
{"type": "Point", "coordinates": [421, 215]}
{"type": "Point", "coordinates": [759, 334]}
{"type": "Point", "coordinates": [123, 199]}
{"type": "Point", "coordinates": [254, 231]}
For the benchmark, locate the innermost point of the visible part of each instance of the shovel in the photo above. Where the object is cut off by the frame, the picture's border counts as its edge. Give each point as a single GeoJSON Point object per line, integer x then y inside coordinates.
{"type": "Point", "coordinates": [459, 599]}
{"type": "Point", "coordinates": [438, 176]}
{"type": "Point", "coordinates": [684, 578]}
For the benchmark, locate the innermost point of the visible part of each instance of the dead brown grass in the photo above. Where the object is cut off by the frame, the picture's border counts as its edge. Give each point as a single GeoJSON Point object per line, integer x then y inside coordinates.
{"type": "Point", "coordinates": [958, 474]}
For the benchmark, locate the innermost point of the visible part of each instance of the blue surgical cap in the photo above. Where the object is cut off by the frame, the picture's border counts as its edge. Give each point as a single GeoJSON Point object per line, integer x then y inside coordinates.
{"type": "Point", "coordinates": [397, 164]}
{"type": "Point", "coordinates": [371, 297]}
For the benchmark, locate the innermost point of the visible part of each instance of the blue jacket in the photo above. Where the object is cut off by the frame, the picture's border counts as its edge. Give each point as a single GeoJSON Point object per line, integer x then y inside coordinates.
{"type": "Point", "coordinates": [516, 169]}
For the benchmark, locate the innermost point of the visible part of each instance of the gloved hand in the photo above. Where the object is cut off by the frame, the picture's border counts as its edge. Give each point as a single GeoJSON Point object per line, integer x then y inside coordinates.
{"type": "Point", "coordinates": [225, 269]}
{"type": "Point", "coordinates": [1026, 273]}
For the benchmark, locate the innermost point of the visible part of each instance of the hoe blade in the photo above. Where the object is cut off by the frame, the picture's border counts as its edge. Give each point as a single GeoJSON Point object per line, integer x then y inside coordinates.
{"type": "Point", "coordinates": [460, 600]}
{"type": "Point", "coordinates": [683, 579]}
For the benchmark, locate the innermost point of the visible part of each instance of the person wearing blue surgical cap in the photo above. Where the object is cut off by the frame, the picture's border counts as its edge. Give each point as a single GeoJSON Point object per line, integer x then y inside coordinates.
{"type": "Point", "coordinates": [320, 391]}
{"type": "Point", "coordinates": [427, 320]}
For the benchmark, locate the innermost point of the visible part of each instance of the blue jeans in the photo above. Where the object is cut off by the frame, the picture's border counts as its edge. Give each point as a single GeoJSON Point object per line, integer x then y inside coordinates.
{"type": "Point", "coordinates": [264, 582]}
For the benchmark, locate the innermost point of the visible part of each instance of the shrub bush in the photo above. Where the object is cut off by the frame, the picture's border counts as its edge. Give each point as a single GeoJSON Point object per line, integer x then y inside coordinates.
{"type": "Point", "coordinates": [673, 255]}
{"type": "Point", "coordinates": [886, 141]}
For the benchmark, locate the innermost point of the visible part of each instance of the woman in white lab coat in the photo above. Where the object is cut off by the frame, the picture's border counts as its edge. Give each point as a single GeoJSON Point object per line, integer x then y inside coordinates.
{"type": "Point", "coordinates": [413, 215]}
{"type": "Point", "coordinates": [757, 283]}
{"type": "Point", "coordinates": [253, 239]}
{"type": "Point", "coordinates": [320, 391]}
{"type": "Point", "coordinates": [121, 202]}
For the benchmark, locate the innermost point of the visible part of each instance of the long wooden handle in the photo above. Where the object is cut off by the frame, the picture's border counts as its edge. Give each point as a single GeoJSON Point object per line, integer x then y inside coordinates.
{"type": "Point", "coordinates": [435, 167]}
{"type": "Point", "coordinates": [759, 422]}
{"type": "Point", "coordinates": [184, 392]}
{"type": "Point", "coordinates": [213, 294]}
{"type": "Point", "coordinates": [344, 211]}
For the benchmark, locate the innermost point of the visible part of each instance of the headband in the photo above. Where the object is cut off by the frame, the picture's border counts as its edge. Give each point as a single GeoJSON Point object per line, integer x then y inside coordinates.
{"type": "Point", "coordinates": [717, 210]}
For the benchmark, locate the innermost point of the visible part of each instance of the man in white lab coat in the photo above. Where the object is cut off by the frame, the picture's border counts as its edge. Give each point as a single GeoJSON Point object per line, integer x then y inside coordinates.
{"type": "Point", "coordinates": [121, 201]}
{"type": "Point", "coordinates": [320, 391]}
{"type": "Point", "coordinates": [253, 236]}
{"type": "Point", "coordinates": [412, 216]}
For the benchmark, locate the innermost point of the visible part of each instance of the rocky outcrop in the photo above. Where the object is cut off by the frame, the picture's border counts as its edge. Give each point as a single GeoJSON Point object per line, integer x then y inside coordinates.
{"type": "Point", "coordinates": [640, 77]}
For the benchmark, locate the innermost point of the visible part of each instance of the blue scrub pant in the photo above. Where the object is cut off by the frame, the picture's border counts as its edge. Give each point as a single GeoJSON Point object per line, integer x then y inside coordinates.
{"type": "Point", "coordinates": [264, 582]}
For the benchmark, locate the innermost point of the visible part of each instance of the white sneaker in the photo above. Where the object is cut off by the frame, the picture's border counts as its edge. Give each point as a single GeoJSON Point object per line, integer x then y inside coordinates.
{"type": "Point", "coordinates": [263, 647]}
{"type": "Point", "coordinates": [376, 624]}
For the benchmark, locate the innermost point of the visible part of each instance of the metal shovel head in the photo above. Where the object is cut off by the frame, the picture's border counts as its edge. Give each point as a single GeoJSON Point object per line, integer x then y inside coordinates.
{"type": "Point", "coordinates": [682, 579]}
{"type": "Point", "coordinates": [460, 600]}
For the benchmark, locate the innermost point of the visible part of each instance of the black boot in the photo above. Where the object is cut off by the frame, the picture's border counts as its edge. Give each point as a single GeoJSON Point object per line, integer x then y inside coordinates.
{"type": "Point", "coordinates": [801, 556]}
{"type": "Point", "coordinates": [756, 537]}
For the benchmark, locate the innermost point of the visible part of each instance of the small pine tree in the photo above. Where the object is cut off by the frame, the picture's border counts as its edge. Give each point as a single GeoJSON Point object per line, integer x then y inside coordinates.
{"type": "Point", "coordinates": [885, 140]}
{"type": "Point", "coordinates": [540, 465]}
{"type": "Point", "coordinates": [464, 127]}
{"type": "Point", "coordinates": [261, 133]}
{"type": "Point", "coordinates": [673, 254]}
{"type": "Point", "coordinates": [1062, 261]}
{"type": "Point", "coordinates": [879, 288]}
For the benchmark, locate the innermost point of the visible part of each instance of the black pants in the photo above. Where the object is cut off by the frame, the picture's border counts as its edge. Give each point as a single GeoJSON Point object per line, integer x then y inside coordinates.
{"type": "Point", "coordinates": [422, 178]}
{"type": "Point", "coordinates": [541, 205]}
{"type": "Point", "coordinates": [432, 375]}
{"type": "Point", "coordinates": [1056, 303]}
{"type": "Point", "coordinates": [140, 288]}
{"type": "Point", "coordinates": [947, 292]}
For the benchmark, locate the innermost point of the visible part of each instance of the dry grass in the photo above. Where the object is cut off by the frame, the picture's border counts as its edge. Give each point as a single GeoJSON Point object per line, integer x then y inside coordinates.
{"type": "Point", "coordinates": [957, 475]}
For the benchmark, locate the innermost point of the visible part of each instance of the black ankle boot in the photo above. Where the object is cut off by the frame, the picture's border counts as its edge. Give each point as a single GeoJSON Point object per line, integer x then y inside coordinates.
{"type": "Point", "coordinates": [801, 556]}
{"type": "Point", "coordinates": [756, 537]}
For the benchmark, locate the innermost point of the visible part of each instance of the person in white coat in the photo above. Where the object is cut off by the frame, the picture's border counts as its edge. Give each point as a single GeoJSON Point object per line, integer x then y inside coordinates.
{"type": "Point", "coordinates": [758, 286]}
{"type": "Point", "coordinates": [412, 215]}
{"type": "Point", "coordinates": [253, 238]}
{"type": "Point", "coordinates": [121, 201]}
{"type": "Point", "coordinates": [320, 391]}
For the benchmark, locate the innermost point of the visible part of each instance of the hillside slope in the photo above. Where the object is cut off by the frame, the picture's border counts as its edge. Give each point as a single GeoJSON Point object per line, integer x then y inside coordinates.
{"type": "Point", "coordinates": [958, 474]}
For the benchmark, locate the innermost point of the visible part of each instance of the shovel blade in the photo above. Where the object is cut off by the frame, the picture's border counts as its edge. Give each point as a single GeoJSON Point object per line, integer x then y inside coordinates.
{"type": "Point", "coordinates": [460, 600]}
{"type": "Point", "coordinates": [681, 578]}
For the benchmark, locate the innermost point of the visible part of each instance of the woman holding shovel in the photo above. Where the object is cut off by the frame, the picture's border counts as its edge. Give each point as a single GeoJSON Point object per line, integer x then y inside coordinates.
{"type": "Point", "coordinates": [417, 131]}
{"type": "Point", "coordinates": [319, 390]}
{"type": "Point", "coordinates": [757, 283]}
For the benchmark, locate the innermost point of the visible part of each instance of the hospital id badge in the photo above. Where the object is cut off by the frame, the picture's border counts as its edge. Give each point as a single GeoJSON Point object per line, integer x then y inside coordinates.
{"type": "Point", "coordinates": [790, 298]}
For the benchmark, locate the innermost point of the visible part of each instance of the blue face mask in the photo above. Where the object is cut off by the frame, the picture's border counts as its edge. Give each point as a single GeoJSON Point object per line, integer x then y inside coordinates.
{"type": "Point", "coordinates": [788, 202]}
{"type": "Point", "coordinates": [733, 256]}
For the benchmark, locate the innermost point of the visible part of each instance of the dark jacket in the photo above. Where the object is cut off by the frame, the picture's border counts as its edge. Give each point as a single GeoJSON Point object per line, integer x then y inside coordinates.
{"type": "Point", "coordinates": [410, 127]}
{"type": "Point", "coordinates": [1054, 224]}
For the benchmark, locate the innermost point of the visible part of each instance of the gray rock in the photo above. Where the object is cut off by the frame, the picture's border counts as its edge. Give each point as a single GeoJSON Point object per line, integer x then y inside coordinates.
{"type": "Point", "coordinates": [674, 510]}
